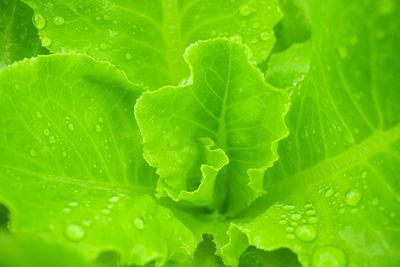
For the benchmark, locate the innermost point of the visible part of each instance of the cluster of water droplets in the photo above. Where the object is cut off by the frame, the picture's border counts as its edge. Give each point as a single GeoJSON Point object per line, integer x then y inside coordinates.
{"type": "Point", "coordinates": [299, 223]}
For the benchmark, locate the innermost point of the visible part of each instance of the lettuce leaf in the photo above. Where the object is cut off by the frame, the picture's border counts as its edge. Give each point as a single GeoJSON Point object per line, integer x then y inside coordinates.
{"type": "Point", "coordinates": [71, 163]}
{"type": "Point", "coordinates": [147, 39]}
{"type": "Point", "coordinates": [212, 139]}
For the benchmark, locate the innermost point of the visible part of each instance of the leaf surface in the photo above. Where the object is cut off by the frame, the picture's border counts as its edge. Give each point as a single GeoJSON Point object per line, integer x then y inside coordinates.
{"type": "Point", "coordinates": [71, 163]}
{"type": "Point", "coordinates": [147, 39]}
{"type": "Point", "coordinates": [335, 190]}
{"type": "Point", "coordinates": [214, 137]}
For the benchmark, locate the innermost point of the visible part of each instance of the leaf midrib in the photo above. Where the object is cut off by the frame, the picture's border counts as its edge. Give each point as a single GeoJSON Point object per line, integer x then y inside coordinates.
{"type": "Point", "coordinates": [173, 41]}
{"type": "Point", "coordinates": [378, 141]}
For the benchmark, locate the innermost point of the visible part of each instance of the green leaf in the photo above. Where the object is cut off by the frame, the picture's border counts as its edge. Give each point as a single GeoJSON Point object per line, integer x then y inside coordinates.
{"type": "Point", "coordinates": [227, 103]}
{"type": "Point", "coordinates": [18, 38]}
{"type": "Point", "coordinates": [288, 68]}
{"type": "Point", "coordinates": [71, 167]}
{"type": "Point", "coordinates": [147, 39]}
{"type": "Point", "coordinates": [295, 26]}
{"type": "Point", "coordinates": [23, 252]}
{"type": "Point", "coordinates": [336, 185]}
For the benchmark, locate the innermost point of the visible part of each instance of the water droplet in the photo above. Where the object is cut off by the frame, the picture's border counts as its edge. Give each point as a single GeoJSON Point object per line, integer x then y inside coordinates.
{"type": "Point", "coordinates": [341, 210]}
{"type": "Point", "coordinates": [290, 229]}
{"type": "Point", "coordinates": [38, 115]}
{"type": "Point", "coordinates": [58, 20]}
{"type": "Point", "coordinates": [74, 232]}
{"type": "Point", "coordinates": [105, 211]}
{"type": "Point", "coordinates": [66, 209]}
{"type": "Point", "coordinates": [264, 36]}
{"type": "Point", "coordinates": [72, 204]}
{"type": "Point", "coordinates": [256, 25]}
{"type": "Point", "coordinates": [46, 41]}
{"type": "Point", "coordinates": [375, 201]}
{"type": "Point", "coordinates": [139, 224]}
{"type": "Point", "coordinates": [237, 38]}
{"type": "Point", "coordinates": [38, 21]}
{"type": "Point", "coordinates": [33, 153]}
{"type": "Point", "coordinates": [289, 207]}
{"type": "Point", "coordinates": [290, 236]}
{"type": "Point", "coordinates": [310, 212]}
{"type": "Point", "coordinates": [46, 132]}
{"type": "Point", "coordinates": [282, 221]}
{"type": "Point", "coordinates": [114, 199]}
{"type": "Point", "coordinates": [305, 232]}
{"type": "Point", "coordinates": [52, 139]}
{"type": "Point", "coordinates": [245, 10]}
{"type": "Point", "coordinates": [296, 217]}
{"type": "Point", "coordinates": [71, 127]}
{"type": "Point", "coordinates": [313, 219]}
{"type": "Point", "coordinates": [98, 128]}
{"type": "Point", "coordinates": [353, 197]}
{"type": "Point", "coordinates": [328, 256]}
{"type": "Point", "coordinates": [128, 56]}
{"type": "Point", "coordinates": [329, 192]}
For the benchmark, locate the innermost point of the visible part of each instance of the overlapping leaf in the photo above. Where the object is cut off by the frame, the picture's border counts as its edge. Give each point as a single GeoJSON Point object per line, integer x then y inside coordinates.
{"type": "Point", "coordinates": [227, 102]}
{"type": "Point", "coordinates": [338, 190]}
{"type": "Point", "coordinates": [147, 39]}
{"type": "Point", "coordinates": [71, 167]}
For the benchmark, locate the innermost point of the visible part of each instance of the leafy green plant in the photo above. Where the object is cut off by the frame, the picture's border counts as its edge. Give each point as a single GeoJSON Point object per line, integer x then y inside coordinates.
{"type": "Point", "coordinates": [199, 133]}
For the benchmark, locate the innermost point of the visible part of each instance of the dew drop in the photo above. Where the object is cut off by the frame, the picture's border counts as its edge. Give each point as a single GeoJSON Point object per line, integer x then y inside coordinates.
{"type": "Point", "coordinates": [139, 224]}
{"type": "Point", "coordinates": [46, 41]}
{"type": "Point", "coordinates": [290, 229]}
{"type": "Point", "coordinates": [245, 10]}
{"type": "Point", "coordinates": [290, 236]}
{"type": "Point", "coordinates": [237, 38]}
{"type": "Point", "coordinates": [33, 153]}
{"type": "Point", "coordinates": [128, 56]}
{"type": "Point", "coordinates": [329, 192]}
{"type": "Point", "coordinates": [328, 256]}
{"type": "Point", "coordinates": [310, 212]}
{"type": "Point", "coordinates": [353, 197]}
{"type": "Point", "coordinates": [98, 128]}
{"type": "Point", "coordinates": [74, 232]}
{"type": "Point", "coordinates": [305, 232]}
{"type": "Point", "coordinates": [71, 127]}
{"type": "Point", "coordinates": [46, 132]}
{"type": "Point", "coordinates": [341, 210]}
{"type": "Point", "coordinates": [38, 115]}
{"type": "Point", "coordinates": [52, 139]}
{"type": "Point", "coordinates": [72, 204]}
{"type": "Point", "coordinates": [375, 201]}
{"type": "Point", "coordinates": [38, 21]}
{"type": "Point", "coordinates": [289, 207]}
{"type": "Point", "coordinates": [313, 219]}
{"type": "Point", "coordinates": [114, 199]}
{"type": "Point", "coordinates": [296, 217]}
{"type": "Point", "coordinates": [106, 211]}
{"type": "Point", "coordinates": [58, 20]}
{"type": "Point", "coordinates": [282, 221]}
{"type": "Point", "coordinates": [264, 36]}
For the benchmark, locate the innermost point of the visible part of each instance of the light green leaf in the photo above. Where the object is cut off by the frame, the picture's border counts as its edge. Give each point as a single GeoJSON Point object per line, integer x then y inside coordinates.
{"type": "Point", "coordinates": [147, 39]}
{"type": "Point", "coordinates": [288, 68]}
{"type": "Point", "coordinates": [71, 167]}
{"type": "Point", "coordinates": [18, 38]}
{"type": "Point", "coordinates": [295, 26]}
{"type": "Point", "coordinates": [226, 101]}
{"type": "Point", "coordinates": [336, 185]}
{"type": "Point", "coordinates": [23, 252]}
